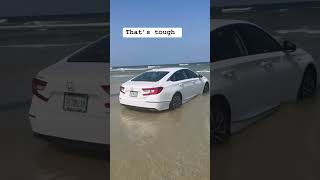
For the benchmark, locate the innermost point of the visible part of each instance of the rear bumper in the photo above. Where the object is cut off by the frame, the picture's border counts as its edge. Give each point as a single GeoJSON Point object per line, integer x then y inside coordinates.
{"type": "Point", "coordinates": [70, 142]}
{"type": "Point", "coordinates": [71, 126]}
{"type": "Point", "coordinates": [159, 106]}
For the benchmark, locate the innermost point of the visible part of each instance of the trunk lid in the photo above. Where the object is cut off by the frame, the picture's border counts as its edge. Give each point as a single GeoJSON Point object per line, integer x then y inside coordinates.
{"type": "Point", "coordinates": [131, 87]}
{"type": "Point", "coordinates": [85, 80]}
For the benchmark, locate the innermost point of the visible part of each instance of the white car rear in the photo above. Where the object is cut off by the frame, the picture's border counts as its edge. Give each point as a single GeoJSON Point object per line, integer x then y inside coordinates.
{"type": "Point", "coordinates": [162, 89]}
{"type": "Point", "coordinates": [71, 97]}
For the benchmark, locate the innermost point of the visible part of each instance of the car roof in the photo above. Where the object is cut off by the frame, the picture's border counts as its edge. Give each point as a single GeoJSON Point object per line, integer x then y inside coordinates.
{"type": "Point", "coordinates": [171, 69]}
{"type": "Point", "coordinates": [217, 23]}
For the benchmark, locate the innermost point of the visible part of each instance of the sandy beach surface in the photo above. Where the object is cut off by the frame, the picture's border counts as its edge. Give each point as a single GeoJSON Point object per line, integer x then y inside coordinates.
{"type": "Point", "coordinates": [171, 145]}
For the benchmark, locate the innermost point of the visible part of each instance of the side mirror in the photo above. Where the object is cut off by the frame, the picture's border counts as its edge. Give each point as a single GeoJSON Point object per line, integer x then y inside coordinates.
{"type": "Point", "coordinates": [288, 46]}
{"type": "Point", "coordinates": [200, 76]}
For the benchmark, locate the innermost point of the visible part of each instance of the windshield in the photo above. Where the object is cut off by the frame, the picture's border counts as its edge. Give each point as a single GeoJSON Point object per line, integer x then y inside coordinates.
{"type": "Point", "coordinates": [150, 76]}
{"type": "Point", "coordinates": [97, 52]}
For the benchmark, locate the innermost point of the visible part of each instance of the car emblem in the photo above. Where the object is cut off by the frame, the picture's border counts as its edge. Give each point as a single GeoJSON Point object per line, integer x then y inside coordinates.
{"type": "Point", "coordinates": [70, 86]}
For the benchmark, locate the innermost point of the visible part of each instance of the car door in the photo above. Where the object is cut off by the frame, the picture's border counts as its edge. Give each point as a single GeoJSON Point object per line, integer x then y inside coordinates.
{"type": "Point", "coordinates": [268, 54]}
{"type": "Point", "coordinates": [196, 82]}
{"type": "Point", "coordinates": [188, 85]}
{"type": "Point", "coordinates": [179, 82]}
{"type": "Point", "coordinates": [289, 71]}
{"type": "Point", "coordinates": [234, 74]}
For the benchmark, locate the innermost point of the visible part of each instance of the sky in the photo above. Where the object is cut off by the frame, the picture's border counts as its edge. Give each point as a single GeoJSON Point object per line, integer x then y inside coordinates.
{"type": "Point", "coordinates": [247, 2]}
{"type": "Point", "coordinates": [193, 16]}
{"type": "Point", "coordinates": [44, 7]}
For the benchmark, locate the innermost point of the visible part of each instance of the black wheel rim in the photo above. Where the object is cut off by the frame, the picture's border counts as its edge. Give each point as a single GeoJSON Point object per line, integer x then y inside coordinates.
{"type": "Point", "coordinates": [176, 101]}
{"type": "Point", "coordinates": [219, 127]}
{"type": "Point", "coordinates": [308, 85]}
{"type": "Point", "coordinates": [206, 88]}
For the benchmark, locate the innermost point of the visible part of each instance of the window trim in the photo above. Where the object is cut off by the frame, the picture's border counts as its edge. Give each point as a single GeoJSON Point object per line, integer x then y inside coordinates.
{"type": "Point", "coordinates": [236, 33]}
{"type": "Point", "coordinates": [262, 30]}
{"type": "Point", "coordinates": [169, 79]}
{"type": "Point", "coordinates": [167, 72]}
{"type": "Point", "coordinates": [243, 45]}
{"type": "Point", "coordinates": [191, 72]}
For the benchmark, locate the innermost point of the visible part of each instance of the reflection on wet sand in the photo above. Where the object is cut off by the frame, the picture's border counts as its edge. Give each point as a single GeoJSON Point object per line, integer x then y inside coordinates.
{"type": "Point", "coordinates": [161, 145]}
{"type": "Point", "coordinates": [62, 161]}
{"type": "Point", "coordinates": [141, 131]}
{"type": "Point", "coordinates": [25, 156]}
{"type": "Point", "coordinates": [284, 145]}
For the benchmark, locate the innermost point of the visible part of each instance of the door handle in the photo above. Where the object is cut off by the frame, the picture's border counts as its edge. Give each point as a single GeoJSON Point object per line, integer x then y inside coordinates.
{"type": "Point", "coordinates": [228, 73]}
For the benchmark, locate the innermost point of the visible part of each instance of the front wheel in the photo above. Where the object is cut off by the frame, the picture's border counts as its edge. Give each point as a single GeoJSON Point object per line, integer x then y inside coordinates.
{"type": "Point", "coordinates": [309, 84]}
{"type": "Point", "coordinates": [220, 119]}
{"type": "Point", "coordinates": [206, 88]}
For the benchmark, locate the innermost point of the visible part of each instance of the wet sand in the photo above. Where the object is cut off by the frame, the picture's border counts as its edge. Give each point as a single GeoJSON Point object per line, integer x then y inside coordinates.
{"type": "Point", "coordinates": [171, 145]}
{"type": "Point", "coordinates": [24, 156]}
{"type": "Point", "coordinates": [284, 145]}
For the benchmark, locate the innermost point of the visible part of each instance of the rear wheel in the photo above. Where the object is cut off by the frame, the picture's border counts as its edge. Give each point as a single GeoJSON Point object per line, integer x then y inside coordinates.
{"type": "Point", "coordinates": [220, 119]}
{"type": "Point", "coordinates": [206, 88]}
{"type": "Point", "coordinates": [308, 84]}
{"type": "Point", "coordinates": [176, 101]}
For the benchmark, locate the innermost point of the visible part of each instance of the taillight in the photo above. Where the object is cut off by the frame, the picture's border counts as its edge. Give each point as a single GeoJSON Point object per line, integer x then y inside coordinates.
{"type": "Point", "coordinates": [106, 88]}
{"type": "Point", "coordinates": [152, 91]}
{"type": "Point", "coordinates": [122, 89]}
{"type": "Point", "coordinates": [37, 86]}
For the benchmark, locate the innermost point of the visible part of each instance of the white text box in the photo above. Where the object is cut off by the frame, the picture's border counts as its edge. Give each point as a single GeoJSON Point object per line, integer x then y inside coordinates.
{"type": "Point", "coordinates": [152, 32]}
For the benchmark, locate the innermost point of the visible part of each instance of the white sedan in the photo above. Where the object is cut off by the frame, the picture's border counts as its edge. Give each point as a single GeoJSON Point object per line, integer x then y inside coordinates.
{"type": "Point", "coordinates": [163, 88]}
{"type": "Point", "coordinates": [71, 97]}
{"type": "Point", "coordinates": [252, 73]}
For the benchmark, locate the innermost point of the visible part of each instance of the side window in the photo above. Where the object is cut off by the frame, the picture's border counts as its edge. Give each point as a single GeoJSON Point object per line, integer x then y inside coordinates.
{"type": "Point", "coordinates": [225, 44]}
{"type": "Point", "coordinates": [184, 74]}
{"type": "Point", "coordinates": [178, 76]}
{"type": "Point", "coordinates": [256, 40]}
{"type": "Point", "coordinates": [190, 74]}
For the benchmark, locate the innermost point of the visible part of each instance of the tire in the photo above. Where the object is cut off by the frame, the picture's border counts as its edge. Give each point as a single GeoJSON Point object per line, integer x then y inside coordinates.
{"type": "Point", "coordinates": [220, 119]}
{"type": "Point", "coordinates": [176, 101]}
{"type": "Point", "coordinates": [309, 84]}
{"type": "Point", "coordinates": [206, 88]}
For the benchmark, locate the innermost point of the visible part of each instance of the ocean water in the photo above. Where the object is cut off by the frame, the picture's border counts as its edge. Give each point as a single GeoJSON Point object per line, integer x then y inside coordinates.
{"type": "Point", "coordinates": [54, 19]}
{"type": "Point", "coordinates": [281, 18]}
{"type": "Point", "coordinates": [119, 75]}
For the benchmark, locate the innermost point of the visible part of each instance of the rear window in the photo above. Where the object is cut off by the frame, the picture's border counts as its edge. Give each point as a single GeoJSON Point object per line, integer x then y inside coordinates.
{"type": "Point", "coordinates": [150, 76]}
{"type": "Point", "coordinates": [97, 52]}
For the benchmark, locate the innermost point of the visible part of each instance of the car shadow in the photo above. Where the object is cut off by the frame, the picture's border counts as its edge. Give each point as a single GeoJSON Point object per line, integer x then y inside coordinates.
{"type": "Point", "coordinates": [146, 110]}
{"type": "Point", "coordinates": [78, 148]}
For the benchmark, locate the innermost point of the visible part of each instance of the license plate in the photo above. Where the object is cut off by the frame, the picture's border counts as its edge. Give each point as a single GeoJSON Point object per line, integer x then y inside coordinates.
{"type": "Point", "coordinates": [133, 94]}
{"type": "Point", "coordinates": [75, 102]}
